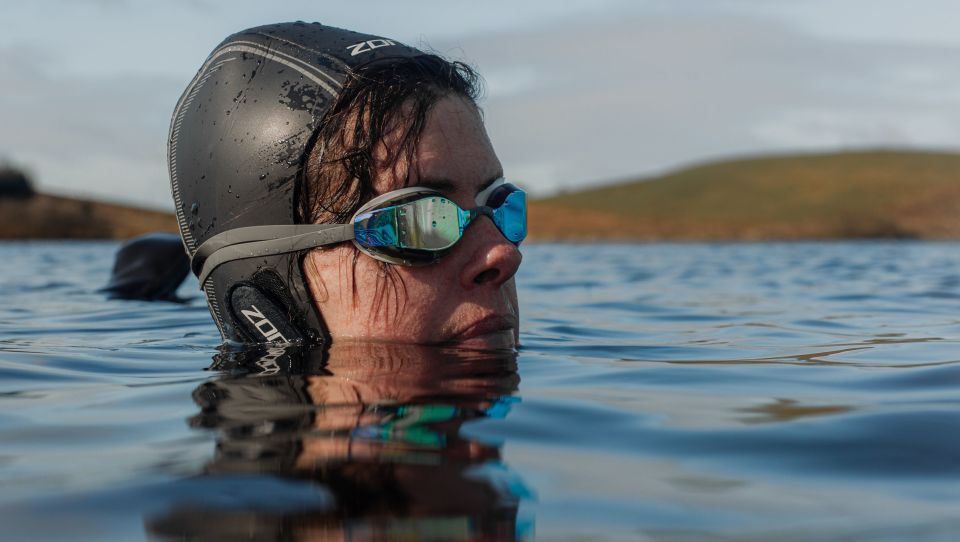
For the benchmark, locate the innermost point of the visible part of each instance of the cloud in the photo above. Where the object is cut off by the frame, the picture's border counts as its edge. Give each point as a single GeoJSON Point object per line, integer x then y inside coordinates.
{"type": "Point", "coordinates": [586, 97]}
{"type": "Point", "coordinates": [99, 136]}
{"type": "Point", "coordinates": [614, 98]}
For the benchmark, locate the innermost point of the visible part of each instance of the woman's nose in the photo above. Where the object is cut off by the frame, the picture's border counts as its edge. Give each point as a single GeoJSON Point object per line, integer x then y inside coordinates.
{"type": "Point", "coordinates": [492, 259]}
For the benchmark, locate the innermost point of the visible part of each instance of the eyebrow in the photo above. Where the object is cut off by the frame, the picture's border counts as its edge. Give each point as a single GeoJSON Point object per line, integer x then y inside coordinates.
{"type": "Point", "coordinates": [447, 185]}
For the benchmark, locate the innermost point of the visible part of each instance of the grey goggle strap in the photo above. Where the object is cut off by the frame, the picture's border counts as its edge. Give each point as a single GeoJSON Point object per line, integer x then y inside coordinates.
{"type": "Point", "coordinates": [259, 241]}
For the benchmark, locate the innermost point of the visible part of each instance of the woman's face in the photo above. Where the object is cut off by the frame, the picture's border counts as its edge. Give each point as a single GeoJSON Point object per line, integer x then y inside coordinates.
{"type": "Point", "coordinates": [468, 298]}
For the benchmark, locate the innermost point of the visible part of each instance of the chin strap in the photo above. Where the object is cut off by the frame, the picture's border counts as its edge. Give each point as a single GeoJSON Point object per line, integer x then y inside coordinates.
{"type": "Point", "coordinates": [261, 317]}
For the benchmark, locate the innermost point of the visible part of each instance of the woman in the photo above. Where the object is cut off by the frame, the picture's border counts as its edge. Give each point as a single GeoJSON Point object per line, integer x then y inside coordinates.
{"type": "Point", "coordinates": [331, 184]}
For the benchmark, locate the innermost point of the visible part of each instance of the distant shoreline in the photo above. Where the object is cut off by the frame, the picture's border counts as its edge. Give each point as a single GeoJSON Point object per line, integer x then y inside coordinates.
{"type": "Point", "coordinates": [43, 216]}
{"type": "Point", "coordinates": [867, 195]}
{"type": "Point", "coordinates": [801, 197]}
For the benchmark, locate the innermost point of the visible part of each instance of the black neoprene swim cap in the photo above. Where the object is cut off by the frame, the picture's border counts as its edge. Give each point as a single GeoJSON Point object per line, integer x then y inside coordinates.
{"type": "Point", "coordinates": [239, 141]}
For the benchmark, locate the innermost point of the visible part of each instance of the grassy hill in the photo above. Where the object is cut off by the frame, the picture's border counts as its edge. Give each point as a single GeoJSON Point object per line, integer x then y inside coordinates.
{"type": "Point", "coordinates": [879, 194]}
{"type": "Point", "coordinates": [42, 216]}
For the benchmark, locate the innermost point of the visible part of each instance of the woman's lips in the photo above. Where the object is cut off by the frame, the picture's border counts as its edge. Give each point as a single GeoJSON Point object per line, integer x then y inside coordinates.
{"type": "Point", "coordinates": [492, 332]}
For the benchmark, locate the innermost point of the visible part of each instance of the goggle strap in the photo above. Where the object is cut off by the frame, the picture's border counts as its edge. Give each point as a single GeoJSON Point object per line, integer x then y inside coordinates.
{"type": "Point", "coordinates": [260, 241]}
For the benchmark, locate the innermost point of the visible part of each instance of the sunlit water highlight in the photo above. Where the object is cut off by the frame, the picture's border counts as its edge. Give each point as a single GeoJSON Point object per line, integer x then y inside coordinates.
{"type": "Point", "coordinates": [664, 392]}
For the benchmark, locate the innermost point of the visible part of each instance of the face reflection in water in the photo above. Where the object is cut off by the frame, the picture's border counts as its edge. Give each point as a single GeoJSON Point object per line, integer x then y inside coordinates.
{"type": "Point", "coordinates": [373, 429]}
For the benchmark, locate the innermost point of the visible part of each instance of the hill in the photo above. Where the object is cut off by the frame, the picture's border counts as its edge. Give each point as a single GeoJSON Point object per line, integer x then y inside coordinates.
{"type": "Point", "coordinates": [878, 194]}
{"type": "Point", "coordinates": [41, 216]}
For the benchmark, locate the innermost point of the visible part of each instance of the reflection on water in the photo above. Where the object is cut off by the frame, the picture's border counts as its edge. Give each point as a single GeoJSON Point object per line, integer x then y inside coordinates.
{"type": "Point", "coordinates": [803, 391]}
{"type": "Point", "coordinates": [377, 427]}
{"type": "Point", "coordinates": [785, 410]}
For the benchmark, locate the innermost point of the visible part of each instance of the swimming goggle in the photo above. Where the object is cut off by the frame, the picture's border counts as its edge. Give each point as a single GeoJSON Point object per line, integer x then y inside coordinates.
{"type": "Point", "coordinates": [411, 226]}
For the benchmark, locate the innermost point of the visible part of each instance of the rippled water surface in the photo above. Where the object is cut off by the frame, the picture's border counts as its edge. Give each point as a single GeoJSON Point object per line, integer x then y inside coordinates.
{"type": "Point", "coordinates": [663, 392]}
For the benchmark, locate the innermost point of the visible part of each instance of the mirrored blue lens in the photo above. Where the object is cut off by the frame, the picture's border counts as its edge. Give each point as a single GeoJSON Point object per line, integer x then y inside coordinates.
{"type": "Point", "coordinates": [420, 230]}
{"type": "Point", "coordinates": [431, 223]}
{"type": "Point", "coordinates": [377, 228]}
{"type": "Point", "coordinates": [511, 216]}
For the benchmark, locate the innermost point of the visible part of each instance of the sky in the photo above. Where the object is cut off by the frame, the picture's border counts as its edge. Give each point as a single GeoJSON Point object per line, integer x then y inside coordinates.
{"type": "Point", "coordinates": [577, 93]}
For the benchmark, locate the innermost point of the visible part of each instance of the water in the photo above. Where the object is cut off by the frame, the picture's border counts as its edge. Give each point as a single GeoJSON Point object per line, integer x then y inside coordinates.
{"type": "Point", "coordinates": [663, 392]}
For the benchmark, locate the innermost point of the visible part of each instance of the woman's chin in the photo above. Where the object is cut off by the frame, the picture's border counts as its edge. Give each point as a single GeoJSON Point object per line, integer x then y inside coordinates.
{"type": "Point", "coordinates": [498, 340]}
{"type": "Point", "coordinates": [495, 340]}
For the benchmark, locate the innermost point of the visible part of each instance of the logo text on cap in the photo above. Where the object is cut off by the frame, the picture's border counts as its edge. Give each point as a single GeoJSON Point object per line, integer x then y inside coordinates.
{"type": "Point", "coordinates": [367, 46]}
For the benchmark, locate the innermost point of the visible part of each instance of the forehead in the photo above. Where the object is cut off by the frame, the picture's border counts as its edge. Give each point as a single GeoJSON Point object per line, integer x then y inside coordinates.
{"type": "Point", "coordinates": [454, 153]}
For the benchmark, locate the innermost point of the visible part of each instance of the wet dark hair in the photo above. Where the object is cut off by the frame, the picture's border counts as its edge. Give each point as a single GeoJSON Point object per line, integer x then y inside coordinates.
{"type": "Point", "coordinates": [376, 99]}
{"type": "Point", "coordinates": [387, 96]}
